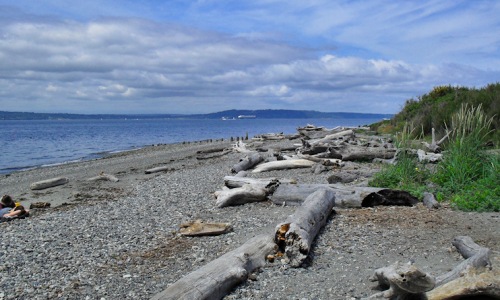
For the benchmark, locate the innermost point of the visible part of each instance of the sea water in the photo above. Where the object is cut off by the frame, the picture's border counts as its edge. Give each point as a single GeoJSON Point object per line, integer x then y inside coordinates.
{"type": "Point", "coordinates": [34, 143]}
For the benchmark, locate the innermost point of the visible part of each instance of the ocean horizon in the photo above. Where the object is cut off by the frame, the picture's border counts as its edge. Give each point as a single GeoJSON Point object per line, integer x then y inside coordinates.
{"type": "Point", "coordinates": [30, 144]}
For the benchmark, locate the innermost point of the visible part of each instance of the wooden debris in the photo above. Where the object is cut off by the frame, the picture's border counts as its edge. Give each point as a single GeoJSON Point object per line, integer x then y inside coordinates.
{"type": "Point", "coordinates": [404, 281]}
{"type": "Point", "coordinates": [44, 184]}
{"type": "Point", "coordinates": [429, 157]}
{"type": "Point", "coordinates": [216, 279]}
{"type": "Point", "coordinates": [200, 228]}
{"type": "Point", "coordinates": [105, 177]}
{"type": "Point", "coordinates": [283, 164]}
{"type": "Point", "coordinates": [295, 236]}
{"type": "Point", "coordinates": [247, 162]}
{"type": "Point", "coordinates": [246, 194]}
{"type": "Point", "coordinates": [158, 169]}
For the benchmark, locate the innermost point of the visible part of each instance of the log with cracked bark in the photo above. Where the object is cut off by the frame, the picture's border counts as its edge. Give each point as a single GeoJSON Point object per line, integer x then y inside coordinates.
{"type": "Point", "coordinates": [216, 279]}
{"type": "Point", "coordinates": [295, 236]}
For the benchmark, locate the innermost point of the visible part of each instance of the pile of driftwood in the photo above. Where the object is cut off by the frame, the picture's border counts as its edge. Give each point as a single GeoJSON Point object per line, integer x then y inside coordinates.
{"type": "Point", "coordinates": [292, 238]}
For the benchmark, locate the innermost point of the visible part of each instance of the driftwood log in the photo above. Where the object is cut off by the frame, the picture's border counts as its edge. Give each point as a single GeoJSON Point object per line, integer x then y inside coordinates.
{"type": "Point", "coordinates": [344, 135]}
{"type": "Point", "coordinates": [350, 152]}
{"type": "Point", "coordinates": [104, 177]}
{"type": "Point", "coordinates": [237, 181]}
{"type": "Point", "coordinates": [247, 162]}
{"type": "Point", "coordinates": [44, 184]}
{"type": "Point", "coordinates": [295, 236]}
{"type": "Point", "coordinates": [158, 169]}
{"type": "Point", "coordinates": [428, 157]}
{"type": "Point", "coordinates": [402, 281]}
{"type": "Point", "coordinates": [246, 194]}
{"type": "Point", "coordinates": [217, 278]}
{"type": "Point", "coordinates": [475, 257]}
{"type": "Point", "coordinates": [283, 164]}
{"type": "Point", "coordinates": [346, 197]}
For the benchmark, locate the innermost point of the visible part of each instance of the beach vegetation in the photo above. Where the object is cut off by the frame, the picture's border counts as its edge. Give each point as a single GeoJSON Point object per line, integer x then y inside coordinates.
{"type": "Point", "coordinates": [467, 177]}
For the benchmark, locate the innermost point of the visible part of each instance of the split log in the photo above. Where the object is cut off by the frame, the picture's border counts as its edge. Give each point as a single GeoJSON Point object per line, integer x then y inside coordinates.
{"type": "Point", "coordinates": [346, 196]}
{"type": "Point", "coordinates": [295, 236]}
{"type": "Point", "coordinates": [475, 255]}
{"type": "Point", "coordinates": [245, 194]}
{"type": "Point", "coordinates": [248, 162]}
{"type": "Point", "coordinates": [158, 169]}
{"type": "Point", "coordinates": [283, 164]}
{"type": "Point", "coordinates": [404, 281]}
{"type": "Point", "coordinates": [236, 181]}
{"type": "Point", "coordinates": [216, 279]}
{"type": "Point", "coordinates": [44, 184]}
{"type": "Point", "coordinates": [429, 157]}
{"type": "Point", "coordinates": [430, 201]}
{"type": "Point", "coordinates": [104, 177]}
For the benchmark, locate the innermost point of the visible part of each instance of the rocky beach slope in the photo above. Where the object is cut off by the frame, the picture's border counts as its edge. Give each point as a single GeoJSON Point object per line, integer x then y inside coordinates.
{"type": "Point", "coordinates": [120, 240]}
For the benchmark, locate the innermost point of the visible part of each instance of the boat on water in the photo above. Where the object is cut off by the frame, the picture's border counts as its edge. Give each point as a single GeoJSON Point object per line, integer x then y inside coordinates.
{"type": "Point", "coordinates": [246, 117]}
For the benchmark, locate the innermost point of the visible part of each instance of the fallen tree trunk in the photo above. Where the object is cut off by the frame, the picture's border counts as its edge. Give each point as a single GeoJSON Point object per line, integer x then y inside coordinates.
{"type": "Point", "coordinates": [248, 162]}
{"type": "Point", "coordinates": [44, 184]}
{"type": "Point", "coordinates": [295, 236]}
{"type": "Point", "coordinates": [346, 197]}
{"type": "Point", "coordinates": [217, 278]}
{"type": "Point", "coordinates": [104, 177]}
{"type": "Point", "coordinates": [283, 164]}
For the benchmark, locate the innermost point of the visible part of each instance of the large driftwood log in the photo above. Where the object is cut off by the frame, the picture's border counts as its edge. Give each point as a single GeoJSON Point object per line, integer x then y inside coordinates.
{"type": "Point", "coordinates": [217, 278]}
{"type": "Point", "coordinates": [475, 255]}
{"type": "Point", "coordinates": [346, 196]}
{"type": "Point", "coordinates": [283, 164]}
{"type": "Point", "coordinates": [44, 184]}
{"type": "Point", "coordinates": [404, 281]}
{"type": "Point", "coordinates": [346, 134]}
{"type": "Point", "coordinates": [247, 162]}
{"type": "Point", "coordinates": [236, 181]}
{"type": "Point", "coordinates": [354, 152]}
{"type": "Point", "coordinates": [295, 236]}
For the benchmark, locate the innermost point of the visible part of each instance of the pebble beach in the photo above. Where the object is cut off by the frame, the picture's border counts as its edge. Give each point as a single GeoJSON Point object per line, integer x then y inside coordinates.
{"type": "Point", "coordinates": [120, 240]}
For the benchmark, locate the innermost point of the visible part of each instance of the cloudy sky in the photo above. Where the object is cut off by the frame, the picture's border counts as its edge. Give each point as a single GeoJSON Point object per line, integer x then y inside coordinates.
{"type": "Point", "coordinates": [180, 56]}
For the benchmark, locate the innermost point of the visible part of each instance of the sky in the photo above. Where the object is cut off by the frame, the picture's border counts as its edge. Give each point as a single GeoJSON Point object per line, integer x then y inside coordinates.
{"type": "Point", "coordinates": [183, 57]}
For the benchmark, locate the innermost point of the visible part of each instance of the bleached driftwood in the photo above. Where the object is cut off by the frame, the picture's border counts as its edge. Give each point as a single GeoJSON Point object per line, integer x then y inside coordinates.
{"type": "Point", "coordinates": [247, 162]}
{"type": "Point", "coordinates": [295, 236]}
{"type": "Point", "coordinates": [346, 134]}
{"type": "Point", "coordinates": [474, 283]}
{"type": "Point", "coordinates": [241, 147]}
{"type": "Point", "coordinates": [44, 184]}
{"type": "Point", "coordinates": [346, 196]}
{"type": "Point", "coordinates": [430, 201]}
{"type": "Point", "coordinates": [157, 169]}
{"type": "Point", "coordinates": [429, 157]}
{"type": "Point", "coordinates": [435, 146]}
{"type": "Point", "coordinates": [404, 281]}
{"type": "Point", "coordinates": [236, 181]}
{"type": "Point", "coordinates": [283, 164]}
{"type": "Point", "coordinates": [246, 194]}
{"type": "Point", "coordinates": [349, 152]}
{"type": "Point", "coordinates": [200, 228]}
{"type": "Point", "coordinates": [217, 278]}
{"type": "Point", "coordinates": [475, 257]}
{"type": "Point", "coordinates": [104, 177]}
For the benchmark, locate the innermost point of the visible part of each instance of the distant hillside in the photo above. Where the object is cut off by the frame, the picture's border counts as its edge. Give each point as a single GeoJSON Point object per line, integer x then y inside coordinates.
{"type": "Point", "coordinates": [261, 114]}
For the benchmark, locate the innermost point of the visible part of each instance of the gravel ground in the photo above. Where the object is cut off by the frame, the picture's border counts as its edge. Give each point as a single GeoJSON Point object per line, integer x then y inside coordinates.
{"type": "Point", "coordinates": [120, 240]}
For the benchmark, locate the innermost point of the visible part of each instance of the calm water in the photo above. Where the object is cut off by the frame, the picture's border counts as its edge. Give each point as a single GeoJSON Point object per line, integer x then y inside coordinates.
{"type": "Point", "coordinates": [28, 144]}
